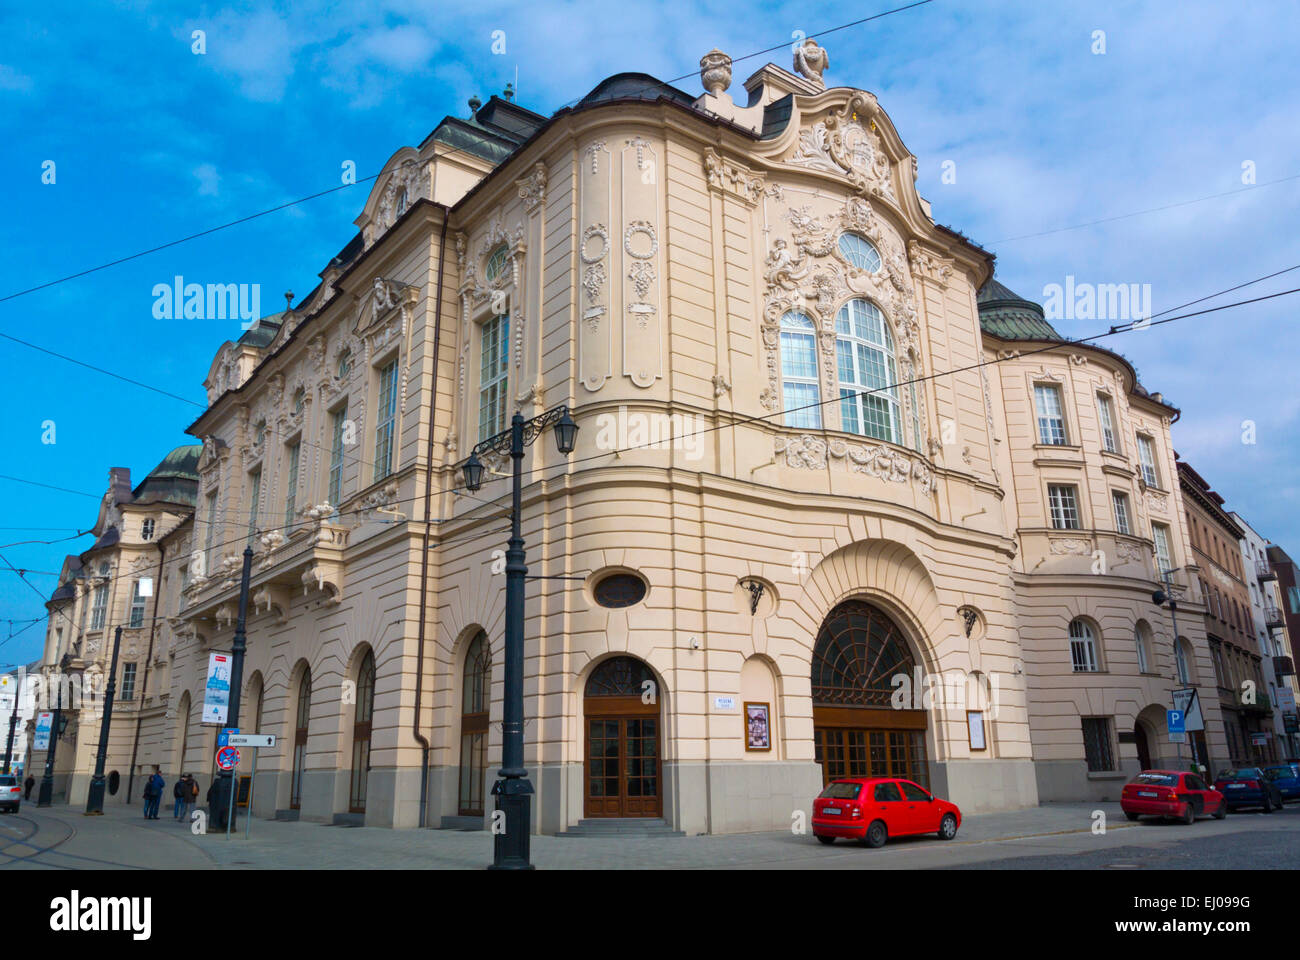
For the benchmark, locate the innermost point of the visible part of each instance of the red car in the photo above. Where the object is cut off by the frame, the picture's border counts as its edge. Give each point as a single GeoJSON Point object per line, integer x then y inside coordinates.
{"type": "Point", "coordinates": [1173, 794]}
{"type": "Point", "coordinates": [873, 809]}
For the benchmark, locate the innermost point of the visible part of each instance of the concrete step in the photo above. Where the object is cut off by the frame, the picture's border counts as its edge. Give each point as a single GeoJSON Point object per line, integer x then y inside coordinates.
{"type": "Point", "coordinates": [621, 827]}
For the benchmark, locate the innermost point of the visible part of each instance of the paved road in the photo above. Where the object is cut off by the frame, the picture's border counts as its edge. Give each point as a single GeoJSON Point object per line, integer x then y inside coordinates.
{"type": "Point", "coordinates": [1054, 836]}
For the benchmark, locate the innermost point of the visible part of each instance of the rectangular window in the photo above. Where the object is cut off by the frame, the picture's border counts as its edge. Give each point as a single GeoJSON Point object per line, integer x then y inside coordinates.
{"type": "Point", "coordinates": [386, 421]}
{"type": "Point", "coordinates": [336, 456]}
{"type": "Point", "coordinates": [799, 383]}
{"type": "Point", "coordinates": [1051, 419]}
{"type": "Point", "coordinates": [291, 487]}
{"type": "Point", "coordinates": [1147, 458]}
{"type": "Point", "coordinates": [146, 529]}
{"type": "Point", "coordinates": [1107, 420]}
{"type": "Point", "coordinates": [493, 368]}
{"type": "Point", "coordinates": [1096, 744]}
{"type": "Point", "coordinates": [99, 608]}
{"type": "Point", "coordinates": [137, 606]}
{"type": "Point", "coordinates": [128, 681]}
{"type": "Point", "coordinates": [1120, 501]}
{"type": "Point", "coordinates": [1293, 599]}
{"type": "Point", "coordinates": [255, 499]}
{"type": "Point", "coordinates": [1064, 505]}
{"type": "Point", "coordinates": [1141, 644]}
{"type": "Point", "coordinates": [1160, 534]}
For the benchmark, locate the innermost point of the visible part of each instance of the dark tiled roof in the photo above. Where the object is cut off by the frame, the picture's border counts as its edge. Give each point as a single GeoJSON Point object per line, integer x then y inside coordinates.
{"type": "Point", "coordinates": [1009, 316]}
{"type": "Point", "coordinates": [635, 86]}
{"type": "Point", "coordinates": [175, 480]}
{"type": "Point", "coordinates": [262, 331]}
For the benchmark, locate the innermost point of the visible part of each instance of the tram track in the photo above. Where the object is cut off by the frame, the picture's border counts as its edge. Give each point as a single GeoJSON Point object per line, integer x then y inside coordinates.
{"type": "Point", "coordinates": [39, 854]}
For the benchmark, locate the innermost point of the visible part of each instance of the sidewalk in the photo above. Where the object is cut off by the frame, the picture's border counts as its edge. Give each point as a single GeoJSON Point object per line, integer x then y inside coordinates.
{"type": "Point", "coordinates": [302, 845]}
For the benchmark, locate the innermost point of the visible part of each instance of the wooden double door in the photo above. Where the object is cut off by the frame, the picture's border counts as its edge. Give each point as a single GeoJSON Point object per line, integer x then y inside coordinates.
{"type": "Point", "coordinates": [856, 742]}
{"type": "Point", "coordinates": [624, 765]}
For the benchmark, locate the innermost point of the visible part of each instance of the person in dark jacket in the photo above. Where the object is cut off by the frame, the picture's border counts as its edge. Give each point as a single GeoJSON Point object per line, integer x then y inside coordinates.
{"type": "Point", "coordinates": [180, 791]}
{"type": "Point", "coordinates": [28, 784]}
{"type": "Point", "coordinates": [153, 793]}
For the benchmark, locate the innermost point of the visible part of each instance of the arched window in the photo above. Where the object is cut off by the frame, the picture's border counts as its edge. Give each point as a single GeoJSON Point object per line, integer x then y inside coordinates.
{"type": "Point", "coordinates": [1183, 657]}
{"type": "Point", "coordinates": [799, 381]}
{"type": "Point", "coordinates": [345, 364]}
{"type": "Point", "coordinates": [361, 727]}
{"type": "Point", "coordinates": [1141, 640]}
{"type": "Point", "coordinates": [496, 264]}
{"type": "Point", "coordinates": [401, 203]}
{"type": "Point", "coordinates": [860, 252]}
{"type": "Point", "coordinates": [868, 376]}
{"type": "Point", "coordinates": [300, 739]}
{"type": "Point", "coordinates": [858, 651]}
{"type": "Point", "coordinates": [1083, 647]}
{"type": "Point", "coordinates": [474, 705]}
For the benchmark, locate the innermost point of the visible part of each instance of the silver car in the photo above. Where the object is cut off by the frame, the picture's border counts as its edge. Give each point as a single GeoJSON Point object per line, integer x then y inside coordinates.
{"type": "Point", "coordinates": [11, 793]}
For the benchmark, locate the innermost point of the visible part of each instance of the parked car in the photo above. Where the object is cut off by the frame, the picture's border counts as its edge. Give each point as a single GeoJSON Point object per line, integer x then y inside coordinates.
{"type": "Point", "coordinates": [1286, 776]}
{"type": "Point", "coordinates": [1172, 794]}
{"type": "Point", "coordinates": [11, 793]}
{"type": "Point", "coordinates": [1248, 787]}
{"type": "Point", "coordinates": [873, 809]}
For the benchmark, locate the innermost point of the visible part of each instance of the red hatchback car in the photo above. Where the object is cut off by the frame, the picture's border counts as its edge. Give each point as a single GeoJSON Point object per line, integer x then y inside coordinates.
{"type": "Point", "coordinates": [1173, 794]}
{"type": "Point", "coordinates": [873, 809]}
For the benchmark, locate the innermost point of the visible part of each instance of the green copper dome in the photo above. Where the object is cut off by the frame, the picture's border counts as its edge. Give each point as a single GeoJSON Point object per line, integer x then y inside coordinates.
{"type": "Point", "coordinates": [1009, 316]}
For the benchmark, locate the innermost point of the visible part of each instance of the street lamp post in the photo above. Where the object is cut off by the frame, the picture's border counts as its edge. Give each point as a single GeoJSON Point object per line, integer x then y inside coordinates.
{"type": "Point", "coordinates": [1159, 598]}
{"type": "Point", "coordinates": [58, 723]}
{"type": "Point", "coordinates": [223, 810]}
{"type": "Point", "coordinates": [95, 796]}
{"type": "Point", "coordinates": [513, 790]}
{"type": "Point", "coordinates": [13, 722]}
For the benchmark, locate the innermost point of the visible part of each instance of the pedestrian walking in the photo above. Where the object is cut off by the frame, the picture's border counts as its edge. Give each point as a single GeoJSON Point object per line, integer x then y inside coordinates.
{"type": "Point", "coordinates": [191, 795]}
{"type": "Point", "coordinates": [28, 784]}
{"type": "Point", "coordinates": [179, 791]}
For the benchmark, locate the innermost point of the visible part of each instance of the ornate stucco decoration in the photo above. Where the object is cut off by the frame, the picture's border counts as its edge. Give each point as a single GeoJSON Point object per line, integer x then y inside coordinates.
{"type": "Point", "coordinates": [1127, 551]}
{"type": "Point", "coordinates": [593, 250]}
{"type": "Point", "coordinates": [475, 292]}
{"type": "Point", "coordinates": [1157, 501]}
{"type": "Point", "coordinates": [884, 462]}
{"type": "Point", "coordinates": [532, 188]}
{"type": "Point", "coordinates": [720, 385]}
{"type": "Point", "coordinates": [841, 144]}
{"type": "Point", "coordinates": [928, 264]}
{"type": "Point", "coordinates": [732, 178]}
{"type": "Point", "coordinates": [810, 61]}
{"type": "Point", "coordinates": [406, 184]}
{"type": "Point", "coordinates": [715, 71]}
{"type": "Point", "coordinates": [272, 597]}
{"type": "Point", "coordinates": [1066, 546]}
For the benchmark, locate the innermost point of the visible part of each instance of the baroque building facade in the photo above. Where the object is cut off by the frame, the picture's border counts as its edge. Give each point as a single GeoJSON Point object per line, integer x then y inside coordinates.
{"type": "Point", "coordinates": [841, 503]}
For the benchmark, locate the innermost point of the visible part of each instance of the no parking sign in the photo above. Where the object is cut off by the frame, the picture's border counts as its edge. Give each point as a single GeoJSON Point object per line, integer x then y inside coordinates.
{"type": "Point", "coordinates": [227, 758]}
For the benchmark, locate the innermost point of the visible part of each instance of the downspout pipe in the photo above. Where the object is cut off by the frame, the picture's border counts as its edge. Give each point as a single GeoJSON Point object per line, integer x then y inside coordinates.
{"type": "Point", "coordinates": [148, 662]}
{"type": "Point", "coordinates": [428, 514]}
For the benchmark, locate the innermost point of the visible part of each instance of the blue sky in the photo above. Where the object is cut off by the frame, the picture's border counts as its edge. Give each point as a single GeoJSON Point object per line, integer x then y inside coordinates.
{"type": "Point", "coordinates": [152, 142]}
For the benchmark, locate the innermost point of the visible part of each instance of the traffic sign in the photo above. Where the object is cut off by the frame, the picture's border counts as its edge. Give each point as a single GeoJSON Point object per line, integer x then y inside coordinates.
{"type": "Point", "coordinates": [227, 758]}
{"type": "Point", "coordinates": [223, 738]}
{"type": "Point", "coordinates": [1177, 721]}
{"type": "Point", "coordinates": [251, 740]}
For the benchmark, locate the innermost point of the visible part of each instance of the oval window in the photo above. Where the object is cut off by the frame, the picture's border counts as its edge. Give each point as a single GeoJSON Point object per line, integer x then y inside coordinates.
{"type": "Point", "coordinates": [114, 781]}
{"type": "Point", "coordinates": [619, 590]}
{"type": "Point", "coordinates": [860, 252]}
{"type": "Point", "coordinates": [496, 264]}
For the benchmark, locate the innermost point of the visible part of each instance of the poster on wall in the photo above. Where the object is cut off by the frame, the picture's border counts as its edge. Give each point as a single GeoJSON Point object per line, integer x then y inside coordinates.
{"type": "Point", "coordinates": [758, 731]}
{"type": "Point", "coordinates": [216, 692]}
{"type": "Point", "coordinates": [44, 720]}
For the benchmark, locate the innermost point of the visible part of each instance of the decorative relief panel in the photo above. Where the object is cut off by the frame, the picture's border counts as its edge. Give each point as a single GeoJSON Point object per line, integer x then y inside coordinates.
{"type": "Point", "coordinates": [809, 452]}
{"type": "Point", "coordinates": [847, 142]}
{"type": "Point", "coordinates": [595, 333]}
{"type": "Point", "coordinates": [639, 254]}
{"type": "Point", "coordinates": [732, 178]}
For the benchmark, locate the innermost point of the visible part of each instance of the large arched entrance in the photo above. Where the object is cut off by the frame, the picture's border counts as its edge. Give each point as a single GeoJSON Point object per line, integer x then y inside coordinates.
{"type": "Point", "coordinates": [1143, 744]}
{"type": "Point", "coordinates": [857, 733]}
{"type": "Point", "coordinates": [624, 770]}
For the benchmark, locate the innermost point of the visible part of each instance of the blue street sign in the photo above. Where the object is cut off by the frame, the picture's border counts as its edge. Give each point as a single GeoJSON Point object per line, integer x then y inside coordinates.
{"type": "Point", "coordinates": [1177, 720]}
{"type": "Point", "coordinates": [223, 738]}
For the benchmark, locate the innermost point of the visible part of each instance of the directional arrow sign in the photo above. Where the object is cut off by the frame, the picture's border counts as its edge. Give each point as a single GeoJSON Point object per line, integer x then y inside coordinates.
{"type": "Point", "coordinates": [251, 740]}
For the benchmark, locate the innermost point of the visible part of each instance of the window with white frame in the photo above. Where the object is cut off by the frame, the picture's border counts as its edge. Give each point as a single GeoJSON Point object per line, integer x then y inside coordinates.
{"type": "Point", "coordinates": [1120, 501]}
{"type": "Point", "coordinates": [1064, 504]}
{"type": "Point", "coordinates": [137, 606]}
{"type": "Point", "coordinates": [1105, 416]}
{"type": "Point", "coordinates": [299, 400]}
{"type": "Point", "coordinates": [1147, 460]}
{"type": "Point", "coordinates": [146, 528]}
{"type": "Point", "coordinates": [800, 387]}
{"type": "Point", "coordinates": [99, 607]}
{"type": "Point", "coordinates": [386, 421]}
{"type": "Point", "coordinates": [210, 534]}
{"type": "Point", "coordinates": [1180, 655]}
{"type": "Point", "coordinates": [254, 501]}
{"type": "Point", "coordinates": [496, 264]}
{"type": "Point", "coordinates": [1140, 632]}
{"type": "Point", "coordinates": [340, 419]}
{"type": "Point", "coordinates": [1083, 647]}
{"type": "Point", "coordinates": [1160, 537]}
{"type": "Point", "coordinates": [860, 252]}
{"type": "Point", "coordinates": [494, 367]}
{"type": "Point", "coordinates": [1051, 417]}
{"type": "Point", "coordinates": [868, 382]}
{"type": "Point", "coordinates": [128, 681]}
{"type": "Point", "coordinates": [291, 486]}
{"type": "Point", "coordinates": [344, 365]}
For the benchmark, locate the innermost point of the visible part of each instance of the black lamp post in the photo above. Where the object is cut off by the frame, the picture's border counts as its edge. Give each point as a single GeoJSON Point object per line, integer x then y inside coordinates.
{"type": "Point", "coordinates": [225, 782]}
{"type": "Point", "coordinates": [1159, 598]}
{"type": "Point", "coordinates": [13, 722]}
{"type": "Point", "coordinates": [512, 790]}
{"type": "Point", "coordinates": [95, 796]}
{"type": "Point", "coordinates": [58, 723]}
